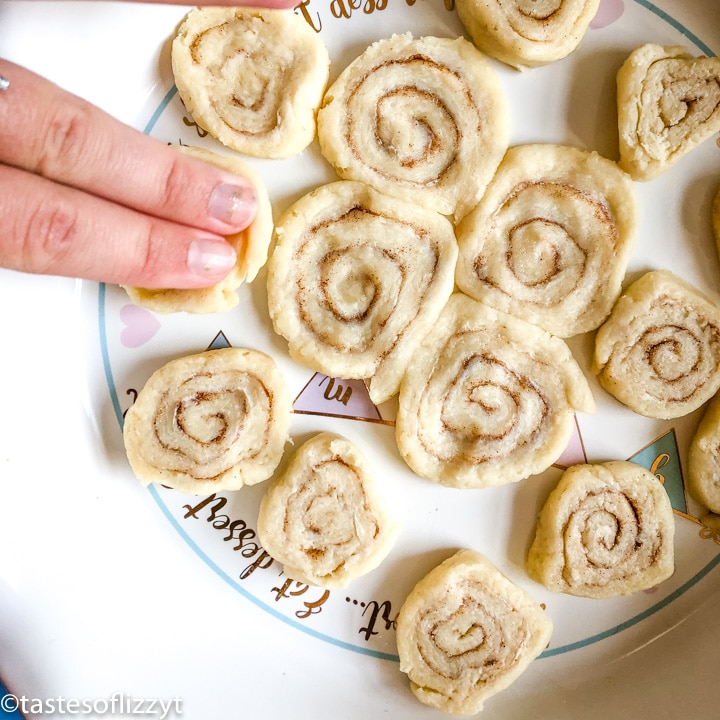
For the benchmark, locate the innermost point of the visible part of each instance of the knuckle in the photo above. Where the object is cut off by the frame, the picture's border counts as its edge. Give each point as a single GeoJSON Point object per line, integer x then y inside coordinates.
{"type": "Point", "coordinates": [50, 237]}
{"type": "Point", "coordinates": [176, 186]}
{"type": "Point", "coordinates": [66, 140]}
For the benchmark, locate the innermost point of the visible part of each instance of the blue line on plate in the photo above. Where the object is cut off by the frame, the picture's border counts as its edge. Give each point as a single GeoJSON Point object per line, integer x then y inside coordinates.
{"type": "Point", "coordinates": [160, 109]}
{"type": "Point", "coordinates": [550, 652]}
{"type": "Point", "coordinates": [256, 601]}
{"type": "Point", "coordinates": [678, 26]}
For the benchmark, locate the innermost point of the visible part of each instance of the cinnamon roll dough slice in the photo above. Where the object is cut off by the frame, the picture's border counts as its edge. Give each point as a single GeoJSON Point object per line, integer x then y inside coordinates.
{"type": "Point", "coordinates": [251, 245]}
{"type": "Point", "coordinates": [668, 103]}
{"type": "Point", "coordinates": [466, 632]}
{"type": "Point", "coordinates": [550, 240]}
{"type": "Point", "coordinates": [355, 281]}
{"type": "Point", "coordinates": [659, 351]}
{"type": "Point", "coordinates": [325, 518]}
{"type": "Point", "coordinates": [703, 476]}
{"type": "Point", "coordinates": [253, 78]}
{"type": "Point", "coordinates": [605, 530]}
{"type": "Point", "coordinates": [424, 119]}
{"type": "Point", "coordinates": [488, 398]}
{"type": "Point", "coordinates": [213, 421]}
{"type": "Point", "coordinates": [527, 33]}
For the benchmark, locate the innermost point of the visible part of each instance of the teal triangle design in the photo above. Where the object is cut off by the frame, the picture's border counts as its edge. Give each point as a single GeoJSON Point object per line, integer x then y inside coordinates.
{"type": "Point", "coordinates": [662, 459]}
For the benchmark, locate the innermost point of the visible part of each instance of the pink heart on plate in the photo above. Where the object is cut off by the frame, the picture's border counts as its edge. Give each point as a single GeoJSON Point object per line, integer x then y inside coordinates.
{"type": "Point", "coordinates": [141, 326]}
{"type": "Point", "coordinates": [608, 12]}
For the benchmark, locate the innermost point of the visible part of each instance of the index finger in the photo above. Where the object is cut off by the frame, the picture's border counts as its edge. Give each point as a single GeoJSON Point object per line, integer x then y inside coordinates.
{"type": "Point", "coordinates": [62, 137]}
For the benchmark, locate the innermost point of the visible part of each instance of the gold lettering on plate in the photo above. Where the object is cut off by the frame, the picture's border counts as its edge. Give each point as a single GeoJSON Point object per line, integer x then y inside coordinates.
{"type": "Point", "coordinates": [344, 9]}
{"type": "Point", "coordinates": [244, 539]}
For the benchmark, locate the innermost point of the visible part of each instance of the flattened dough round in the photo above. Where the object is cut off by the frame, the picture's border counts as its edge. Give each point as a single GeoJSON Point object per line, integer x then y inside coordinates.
{"type": "Point", "coordinates": [527, 33]}
{"type": "Point", "coordinates": [424, 119]}
{"type": "Point", "coordinates": [213, 421]}
{"type": "Point", "coordinates": [466, 632]}
{"type": "Point", "coordinates": [668, 103]}
{"type": "Point", "coordinates": [325, 518]}
{"type": "Point", "coordinates": [488, 398]}
{"type": "Point", "coordinates": [550, 240]}
{"type": "Point", "coordinates": [251, 244]}
{"type": "Point", "coordinates": [605, 530]}
{"type": "Point", "coordinates": [356, 279]}
{"type": "Point", "coordinates": [253, 78]}
{"type": "Point", "coordinates": [659, 351]}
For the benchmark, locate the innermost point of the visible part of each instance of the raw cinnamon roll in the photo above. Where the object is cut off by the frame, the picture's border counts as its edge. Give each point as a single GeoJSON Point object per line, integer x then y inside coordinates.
{"type": "Point", "coordinates": [424, 119]}
{"type": "Point", "coordinates": [668, 103]}
{"type": "Point", "coordinates": [527, 33]}
{"type": "Point", "coordinates": [605, 530]}
{"type": "Point", "coordinates": [488, 399]}
{"type": "Point", "coordinates": [703, 476]}
{"type": "Point", "coordinates": [659, 351]}
{"type": "Point", "coordinates": [324, 519]}
{"type": "Point", "coordinates": [253, 78]}
{"type": "Point", "coordinates": [550, 240]}
{"type": "Point", "coordinates": [356, 279]}
{"type": "Point", "coordinates": [251, 245]}
{"type": "Point", "coordinates": [466, 632]}
{"type": "Point", "coordinates": [213, 421]}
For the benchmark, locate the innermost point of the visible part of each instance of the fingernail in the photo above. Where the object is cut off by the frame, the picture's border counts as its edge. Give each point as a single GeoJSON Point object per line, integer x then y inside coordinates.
{"type": "Point", "coordinates": [210, 257]}
{"type": "Point", "coordinates": [234, 204]}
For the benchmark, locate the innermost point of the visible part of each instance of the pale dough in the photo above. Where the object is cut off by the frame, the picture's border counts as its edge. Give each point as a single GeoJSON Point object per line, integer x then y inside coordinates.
{"type": "Point", "coordinates": [325, 518]}
{"type": "Point", "coordinates": [251, 244]}
{"type": "Point", "coordinates": [550, 240]}
{"type": "Point", "coordinates": [356, 279]}
{"type": "Point", "coordinates": [527, 33]}
{"type": "Point", "coordinates": [466, 632]}
{"type": "Point", "coordinates": [213, 421]}
{"type": "Point", "coordinates": [668, 103]}
{"type": "Point", "coordinates": [488, 399]}
{"type": "Point", "coordinates": [703, 476]}
{"type": "Point", "coordinates": [659, 351]}
{"type": "Point", "coordinates": [253, 78]}
{"type": "Point", "coordinates": [424, 119]}
{"type": "Point", "coordinates": [605, 530]}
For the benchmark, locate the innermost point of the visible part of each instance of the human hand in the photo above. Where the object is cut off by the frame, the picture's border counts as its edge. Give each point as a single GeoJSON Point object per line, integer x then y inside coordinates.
{"type": "Point", "coordinates": [83, 195]}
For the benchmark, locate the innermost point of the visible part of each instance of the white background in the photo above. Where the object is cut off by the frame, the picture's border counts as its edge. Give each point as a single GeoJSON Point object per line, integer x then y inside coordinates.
{"type": "Point", "coordinates": [97, 596]}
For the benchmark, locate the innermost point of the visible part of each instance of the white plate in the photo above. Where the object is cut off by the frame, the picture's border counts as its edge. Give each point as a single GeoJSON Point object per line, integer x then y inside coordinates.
{"type": "Point", "coordinates": [107, 587]}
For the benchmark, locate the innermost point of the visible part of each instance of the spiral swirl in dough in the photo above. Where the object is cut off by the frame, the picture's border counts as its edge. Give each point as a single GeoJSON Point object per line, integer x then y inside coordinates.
{"type": "Point", "coordinates": [356, 279]}
{"type": "Point", "coordinates": [488, 399]}
{"type": "Point", "coordinates": [659, 351]}
{"type": "Point", "coordinates": [668, 103]}
{"type": "Point", "coordinates": [466, 632]}
{"type": "Point", "coordinates": [605, 530]}
{"type": "Point", "coordinates": [324, 518]}
{"type": "Point", "coordinates": [550, 240]}
{"type": "Point", "coordinates": [251, 245]}
{"type": "Point", "coordinates": [424, 119]}
{"type": "Point", "coordinates": [213, 421]}
{"type": "Point", "coordinates": [253, 78]}
{"type": "Point", "coordinates": [527, 33]}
